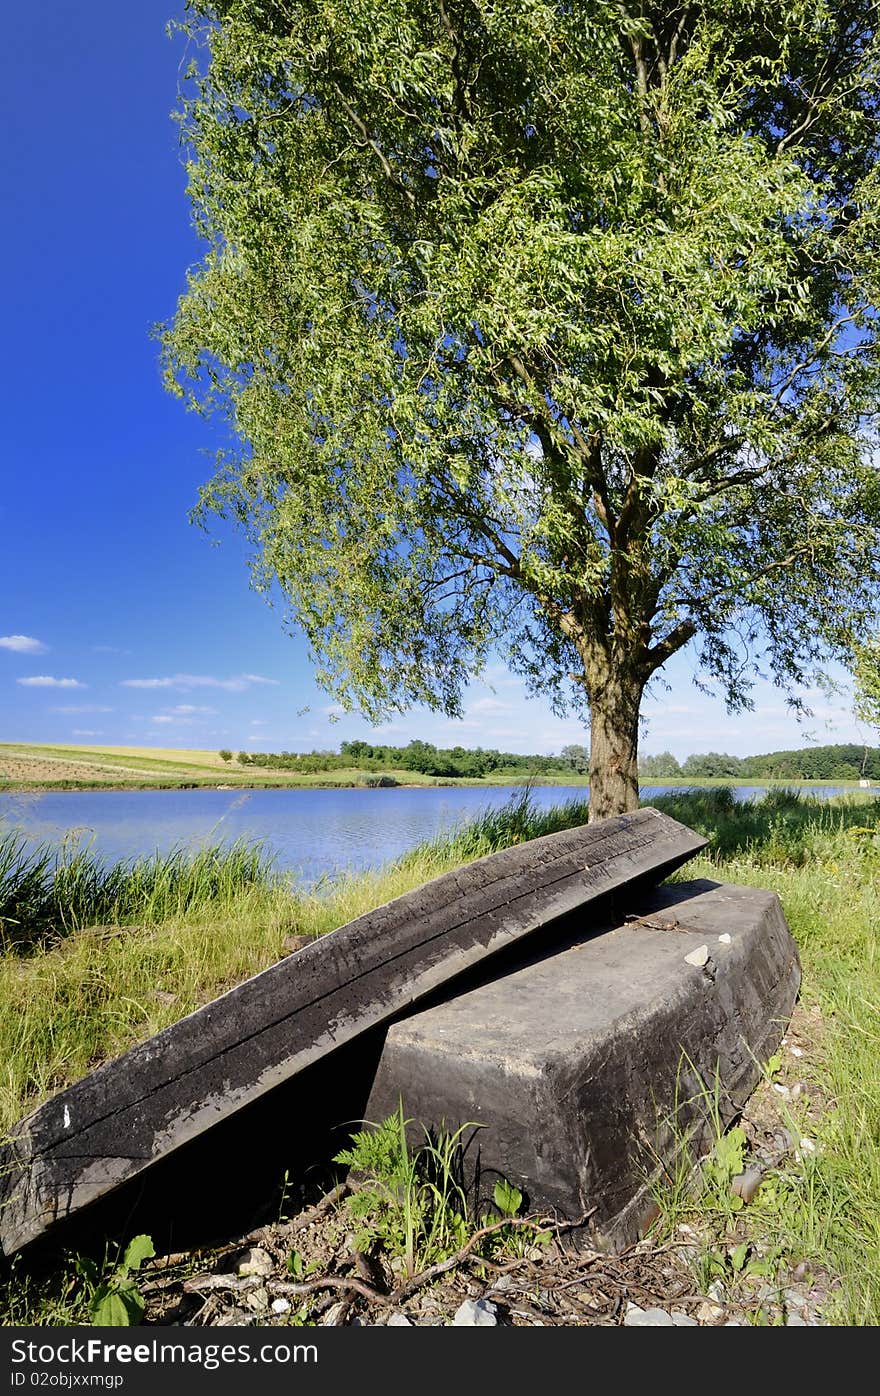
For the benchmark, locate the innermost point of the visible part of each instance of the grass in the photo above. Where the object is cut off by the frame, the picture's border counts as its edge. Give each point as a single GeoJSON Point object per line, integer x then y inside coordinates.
{"type": "Point", "coordinates": [823, 859]}
{"type": "Point", "coordinates": [97, 959]}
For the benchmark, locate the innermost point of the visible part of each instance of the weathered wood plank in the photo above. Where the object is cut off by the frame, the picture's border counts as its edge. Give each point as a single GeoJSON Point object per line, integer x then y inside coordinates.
{"type": "Point", "coordinates": [103, 1130]}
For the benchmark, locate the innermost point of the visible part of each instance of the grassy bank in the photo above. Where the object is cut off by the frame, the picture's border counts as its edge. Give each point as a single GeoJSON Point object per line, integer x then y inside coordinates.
{"type": "Point", "coordinates": [96, 960]}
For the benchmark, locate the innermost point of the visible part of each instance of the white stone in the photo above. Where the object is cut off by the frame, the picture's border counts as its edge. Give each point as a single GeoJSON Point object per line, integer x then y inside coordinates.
{"type": "Point", "coordinates": [725, 939]}
{"type": "Point", "coordinates": [280, 1306]}
{"type": "Point", "coordinates": [647, 1318]}
{"type": "Point", "coordinates": [698, 957]}
{"type": "Point", "coordinates": [475, 1313]}
{"type": "Point", "coordinates": [682, 1320]}
{"type": "Point", "coordinates": [255, 1261]}
{"type": "Point", "coordinates": [398, 1321]}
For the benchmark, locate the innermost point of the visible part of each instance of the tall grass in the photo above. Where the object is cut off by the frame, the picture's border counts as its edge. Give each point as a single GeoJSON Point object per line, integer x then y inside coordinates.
{"type": "Point", "coordinates": [48, 891]}
{"type": "Point", "coordinates": [823, 859]}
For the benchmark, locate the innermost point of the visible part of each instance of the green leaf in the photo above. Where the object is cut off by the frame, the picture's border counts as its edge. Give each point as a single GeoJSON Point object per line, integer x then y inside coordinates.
{"type": "Point", "coordinates": [738, 1257]}
{"type": "Point", "coordinates": [730, 1152]}
{"type": "Point", "coordinates": [508, 1199]}
{"type": "Point", "coordinates": [139, 1248]}
{"type": "Point", "coordinates": [116, 1306]}
{"type": "Point", "coordinates": [295, 1264]}
{"type": "Point", "coordinates": [774, 1064]}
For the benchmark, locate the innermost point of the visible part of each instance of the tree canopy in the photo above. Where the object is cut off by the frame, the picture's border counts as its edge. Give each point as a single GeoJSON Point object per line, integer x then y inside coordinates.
{"type": "Point", "coordinates": [542, 329]}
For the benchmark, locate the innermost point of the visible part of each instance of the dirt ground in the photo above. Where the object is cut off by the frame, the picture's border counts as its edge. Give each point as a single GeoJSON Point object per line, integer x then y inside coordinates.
{"type": "Point", "coordinates": [45, 768]}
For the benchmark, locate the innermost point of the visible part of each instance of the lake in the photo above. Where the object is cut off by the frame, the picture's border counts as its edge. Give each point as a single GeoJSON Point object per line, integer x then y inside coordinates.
{"type": "Point", "coordinates": [310, 832]}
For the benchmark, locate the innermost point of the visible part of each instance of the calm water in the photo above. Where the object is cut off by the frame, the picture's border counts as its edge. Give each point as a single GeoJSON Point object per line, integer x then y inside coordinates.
{"type": "Point", "coordinates": [311, 832]}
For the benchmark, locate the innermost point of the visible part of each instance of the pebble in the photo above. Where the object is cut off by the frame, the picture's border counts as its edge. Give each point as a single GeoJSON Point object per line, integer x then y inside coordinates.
{"type": "Point", "coordinates": [475, 1313]}
{"type": "Point", "coordinates": [708, 1313]}
{"type": "Point", "coordinates": [725, 939]}
{"type": "Point", "coordinates": [258, 1300]}
{"type": "Point", "coordinates": [333, 1314]}
{"type": "Point", "coordinates": [255, 1261]}
{"type": "Point", "coordinates": [746, 1184]}
{"type": "Point", "coordinates": [698, 957]}
{"type": "Point", "coordinates": [683, 1320]}
{"type": "Point", "coordinates": [398, 1320]}
{"type": "Point", "coordinates": [647, 1318]}
{"type": "Point", "coordinates": [280, 1306]}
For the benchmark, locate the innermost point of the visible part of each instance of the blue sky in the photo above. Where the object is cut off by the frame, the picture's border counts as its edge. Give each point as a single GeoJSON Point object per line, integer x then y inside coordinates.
{"type": "Point", "coordinates": [121, 623]}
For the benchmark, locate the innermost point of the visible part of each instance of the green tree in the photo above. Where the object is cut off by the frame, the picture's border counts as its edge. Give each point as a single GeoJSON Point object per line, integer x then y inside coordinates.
{"type": "Point", "coordinates": [225, 754]}
{"type": "Point", "coordinates": [663, 764]}
{"type": "Point", "coordinates": [545, 330]}
{"type": "Point", "coordinates": [576, 757]}
{"type": "Point", "coordinates": [867, 682]}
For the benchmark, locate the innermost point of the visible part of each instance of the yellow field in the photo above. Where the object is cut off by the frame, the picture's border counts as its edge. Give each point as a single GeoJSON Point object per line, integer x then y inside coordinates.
{"type": "Point", "coordinates": [38, 762]}
{"type": "Point", "coordinates": [177, 755]}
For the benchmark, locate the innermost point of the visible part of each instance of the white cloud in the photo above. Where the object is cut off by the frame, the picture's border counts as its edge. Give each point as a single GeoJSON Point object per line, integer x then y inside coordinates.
{"type": "Point", "coordinates": [85, 732]}
{"type": "Point", "coordinates": [22, 644]}
{"type": "Point", "coordinates": [487, 706]}
{"type": "Point", "coordinates": [162, 717]}
{"type": "Point", "coordinates": [237, 684]}
{"type": "Point", "coordinates": [82, 708]}
{"type": "Point", "coordinates": [46, 681]}
{"type": "Point", "coordinates": [147, 683]}
{"type": "Point", "coordinates": [497, 676]}
{"type": "Point", "coordinates": [192, 708]}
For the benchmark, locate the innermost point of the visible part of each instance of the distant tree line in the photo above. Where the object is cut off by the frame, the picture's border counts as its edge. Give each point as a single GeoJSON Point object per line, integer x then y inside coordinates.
{"type": "Point", "coordinates": [844, 762]}
{"type": "Point", "coordinates": [418, 756]}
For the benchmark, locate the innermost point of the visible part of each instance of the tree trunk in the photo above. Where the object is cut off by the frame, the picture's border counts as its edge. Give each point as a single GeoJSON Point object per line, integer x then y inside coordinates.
{"type": "Point", "coordinates": [614, 746]}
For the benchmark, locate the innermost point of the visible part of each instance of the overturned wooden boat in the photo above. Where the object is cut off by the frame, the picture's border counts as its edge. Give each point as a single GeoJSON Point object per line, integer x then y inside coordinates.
{"type": "Point", "coordinates": [135, 1110]}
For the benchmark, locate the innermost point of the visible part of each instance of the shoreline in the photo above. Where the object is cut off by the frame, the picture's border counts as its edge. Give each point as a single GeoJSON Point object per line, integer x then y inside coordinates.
{"type": "Point", "coordinates": [19, 787]}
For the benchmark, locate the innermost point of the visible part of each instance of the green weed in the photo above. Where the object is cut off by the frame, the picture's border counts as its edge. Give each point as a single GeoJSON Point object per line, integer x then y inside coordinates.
{"type": "Point", "coordinates": [410, 1203]}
